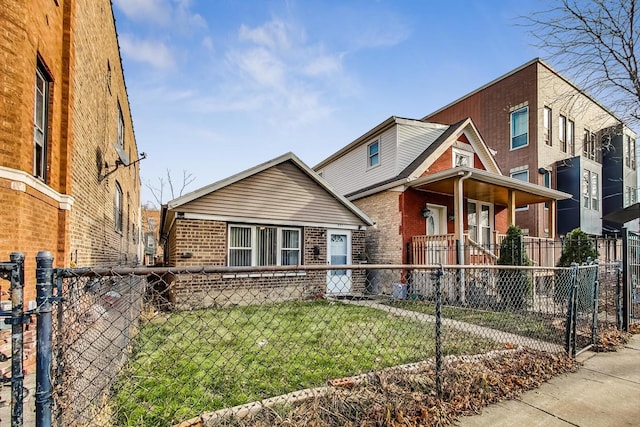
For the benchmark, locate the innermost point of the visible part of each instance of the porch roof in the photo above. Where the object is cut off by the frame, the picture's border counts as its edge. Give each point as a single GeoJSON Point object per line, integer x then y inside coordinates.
{"type": "Point", "coordinates": [487, 187]}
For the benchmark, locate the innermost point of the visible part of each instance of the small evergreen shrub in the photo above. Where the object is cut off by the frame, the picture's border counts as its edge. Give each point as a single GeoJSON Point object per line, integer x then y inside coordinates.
{"type": "Point", "coordinates": [577, 247]}
{"type": "Point", "coordinates": [514, 286]}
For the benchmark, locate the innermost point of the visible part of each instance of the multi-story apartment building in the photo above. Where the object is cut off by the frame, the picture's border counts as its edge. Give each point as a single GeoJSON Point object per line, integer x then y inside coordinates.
{"type": "Point", "coordinates": [547, 131]}
{"type": "Point", "coordinates": [69, 172]}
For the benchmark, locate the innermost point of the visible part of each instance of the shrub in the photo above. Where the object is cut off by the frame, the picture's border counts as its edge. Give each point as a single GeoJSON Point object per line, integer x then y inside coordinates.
{"type": "Point", "coordinates": [577, 247]}
{"type": "Point", "coordinates": [514, 286]}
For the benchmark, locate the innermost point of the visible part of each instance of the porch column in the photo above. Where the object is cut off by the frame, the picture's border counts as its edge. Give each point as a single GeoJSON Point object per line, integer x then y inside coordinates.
{"type": "Point", "coordinates": [511, 208]}
{"type": "Point", "coordinates": [552, 219]}
{"type": "Point", "coordinates": [458, 205]}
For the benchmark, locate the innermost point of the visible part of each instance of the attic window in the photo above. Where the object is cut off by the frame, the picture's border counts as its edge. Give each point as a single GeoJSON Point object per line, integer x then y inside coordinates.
{"type": "Point", "coordinates": [462, 158]}
{"type": "Point", "coordinates": [373, 152]}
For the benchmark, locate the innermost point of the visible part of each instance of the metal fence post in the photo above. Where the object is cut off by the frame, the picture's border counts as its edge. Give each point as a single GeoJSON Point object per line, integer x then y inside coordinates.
{"type": "Point", "coordinates": [17, 338]}
{"type": "Point", "coordinates": [570, 331]}
{"type": "Point", "coordinates": [596, 295]}
{"type": "Point", "coordinates": [619, 295]}
{"type": "Point", "coordinates": [438, 276]}
{"type": "Point", "coordinates": [44, 355]}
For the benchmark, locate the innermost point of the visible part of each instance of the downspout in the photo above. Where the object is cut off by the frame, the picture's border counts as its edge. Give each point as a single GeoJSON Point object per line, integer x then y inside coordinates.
{"type": "Point", "coordinates": [463, 290]}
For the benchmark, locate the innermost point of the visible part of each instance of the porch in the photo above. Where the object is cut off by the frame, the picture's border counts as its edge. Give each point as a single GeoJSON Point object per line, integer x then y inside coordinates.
{"type": "Point", "coordinates": [442, 249]}
{"type": "Point", "coordinates": [467, 212]}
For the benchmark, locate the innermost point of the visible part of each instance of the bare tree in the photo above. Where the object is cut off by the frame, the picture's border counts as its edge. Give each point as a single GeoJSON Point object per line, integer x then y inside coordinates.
{"type": "Point", "coordinates": [165, 185]}
{"type": "Point", "coordinates": [595, 43]}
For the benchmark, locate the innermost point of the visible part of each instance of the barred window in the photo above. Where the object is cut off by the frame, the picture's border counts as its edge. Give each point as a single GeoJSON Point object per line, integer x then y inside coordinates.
{"type": "Point", "coordinates": [260, 245]}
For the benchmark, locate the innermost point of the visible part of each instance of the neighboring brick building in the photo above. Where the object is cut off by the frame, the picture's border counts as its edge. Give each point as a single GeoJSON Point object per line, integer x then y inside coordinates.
{"type": "Point", "coordinates": [153, 253]}
{"type": "Point", "coordinates": [542, 125]}
{"type": "Point", "coordinates": [69, 179]}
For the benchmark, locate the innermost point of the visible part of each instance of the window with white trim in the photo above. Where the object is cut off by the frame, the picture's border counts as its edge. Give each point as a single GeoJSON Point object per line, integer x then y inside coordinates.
{"type": "Point", "coordinates": [546, 120]}
{"type": "Point", "coordinates": [462, 158]}
{"type": "Point", "coordinates": [117, 208]}
{"type": "Point", "coordinates": [520, 128]}
{"type": "Point", "coordinates": [522, 176]}
{"type": "Point", "coordinates": [480, 221]}
{"type": "Point", "coordinates": [571, 137]}
{"type": "Point", "coordinates": [590, 190]}
{"type": "Point", "coordinates": [373, 154]}
{"type": "Point", "coordinates": [40, 123]}
{"type": "Point", "coordinates": [562, 133]}
{"type": "Point", "coordinates": [262, 245]}
{"type": "Point", "coordinates": [630, 152]}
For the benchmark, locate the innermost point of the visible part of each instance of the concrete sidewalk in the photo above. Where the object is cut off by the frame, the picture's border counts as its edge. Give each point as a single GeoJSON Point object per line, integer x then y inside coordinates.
{"type": "Point", "coordinates": [605, 391]}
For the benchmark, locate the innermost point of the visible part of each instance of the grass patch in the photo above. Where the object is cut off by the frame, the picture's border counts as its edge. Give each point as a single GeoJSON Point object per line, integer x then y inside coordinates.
{"type": "Point", "coordinates": [187, 363]}
{"type": "Point", "coordinates": [527, 325]}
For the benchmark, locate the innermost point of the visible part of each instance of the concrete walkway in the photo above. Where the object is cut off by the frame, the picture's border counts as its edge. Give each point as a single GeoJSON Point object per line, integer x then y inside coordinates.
{"type": "Point", "coordinates": [605, 391]}
{"type": "Point", "coordinates": [494, 334]}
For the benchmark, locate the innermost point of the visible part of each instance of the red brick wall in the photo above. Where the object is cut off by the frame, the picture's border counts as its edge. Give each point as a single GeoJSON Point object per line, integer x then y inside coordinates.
{"type": "Point", "coordinates": [73, 39]}
{"type": "Point", "coordinates": [490, 111]}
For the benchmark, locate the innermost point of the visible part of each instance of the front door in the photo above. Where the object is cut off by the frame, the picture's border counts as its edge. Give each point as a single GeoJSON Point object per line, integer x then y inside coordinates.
{"type": "Point", "coordinates": [436, 226]}
{"type": "Point", "coordinates": [338, 253]}
{"type": "Point", "coordinates": [435, 219]}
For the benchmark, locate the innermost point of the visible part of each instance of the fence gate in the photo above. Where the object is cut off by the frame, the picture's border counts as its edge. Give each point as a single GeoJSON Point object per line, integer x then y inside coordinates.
{"type": "Point", "coordinates": [631, 278]}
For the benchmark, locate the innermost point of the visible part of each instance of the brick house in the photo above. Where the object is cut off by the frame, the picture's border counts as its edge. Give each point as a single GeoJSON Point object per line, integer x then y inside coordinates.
{"type": "Point", "coordinates": [69, 177]}
{"type": "Point", "coordinates": [428, 187]}
{"type": "Point", "coordinates": [150, 232]}
{"type": "Point", "coordinates": [547, 131]}
{"type": "Point", "coordinates": [279, 213]}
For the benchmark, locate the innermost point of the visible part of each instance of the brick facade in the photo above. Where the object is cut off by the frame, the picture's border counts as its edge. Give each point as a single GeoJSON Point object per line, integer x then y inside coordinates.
{"type": "Point", "coordinates": [64, 207]}
{"type": "Point", "coordinates": [194, 242]}
{"type": "Point", "coordinates": [535, 86]}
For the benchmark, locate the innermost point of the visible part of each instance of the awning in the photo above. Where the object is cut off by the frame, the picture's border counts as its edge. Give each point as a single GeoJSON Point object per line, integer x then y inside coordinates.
{"type": "Point", "coordinates": [486, 186]}
{"type": "Point", "coordinates": [624, 215]}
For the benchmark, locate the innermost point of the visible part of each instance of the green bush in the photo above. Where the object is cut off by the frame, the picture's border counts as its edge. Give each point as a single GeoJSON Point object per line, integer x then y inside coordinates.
{"type": "Point", "coordinates": [514, 286]}
{"type": "Point", "coordinates": [577, 247]}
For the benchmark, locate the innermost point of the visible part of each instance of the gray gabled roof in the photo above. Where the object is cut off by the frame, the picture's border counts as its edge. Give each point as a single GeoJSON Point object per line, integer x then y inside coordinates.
{"type": "Point", "coordinates": [175, 203]}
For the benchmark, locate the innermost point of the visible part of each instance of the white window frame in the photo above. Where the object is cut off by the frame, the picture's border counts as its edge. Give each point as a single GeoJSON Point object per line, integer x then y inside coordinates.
{"type": "Point", "coordinates": [479, 235]}
{"type": "Point", "coordinates": [562, 133]}
{"type": "Point", "coordinates": [511, 129]}
{"type": "Point", "coordinates": [373, 160]}
{"type": "Point", "coordinates": [513, 175]}
{"type": "Point", "coordinates": [590, 189]}
{"type": "Point", "coordinates": [547, 123]}
{"type": "Point", "coordinates": [571, 136]}
{"type": "Point", "coordinates": [459, 154]}
{"type": "Point", "coordinates": [40, 123]}
{"type": "Point", "coordinates": [254, 243]}
{"type": "Point", "coordinates": [118, 208]}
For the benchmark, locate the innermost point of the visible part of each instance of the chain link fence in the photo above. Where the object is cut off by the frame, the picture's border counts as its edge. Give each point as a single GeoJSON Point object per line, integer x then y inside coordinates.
{"type": "Point", "coordinates": [195, 346]}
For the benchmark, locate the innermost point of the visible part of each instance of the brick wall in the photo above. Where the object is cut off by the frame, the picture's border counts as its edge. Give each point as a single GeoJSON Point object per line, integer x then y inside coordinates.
{"type": "Point", "coordinates": [204, 242]}
{"type": "Point", "coordinates": [99, 88]}
{"type": "Point", "coordinates": [72, 41]}
{"type": "Point", "coordinates": [383, 241]}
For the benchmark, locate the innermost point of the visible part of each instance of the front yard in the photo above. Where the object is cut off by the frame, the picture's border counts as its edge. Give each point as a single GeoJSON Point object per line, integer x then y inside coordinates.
{"type": "Point", "coordinates": [187, 363]}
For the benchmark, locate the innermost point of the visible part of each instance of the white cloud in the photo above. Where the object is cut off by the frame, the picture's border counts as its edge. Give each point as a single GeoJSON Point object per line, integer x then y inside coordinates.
{"type": "Point", "coordinates": [155, 53]}
{"type": "Point", "coordinates": [145, 10]}
{"type": "Point", "coordinates": [174, 14]}
{"type": "Point", "coordinates": [207, 43]}
{"type": "Point", "coordinates": [323, 65]}
{"type": "Point", "coordinates": [273, 35]}
{"type": "Point", "coordinates": [261, 66]}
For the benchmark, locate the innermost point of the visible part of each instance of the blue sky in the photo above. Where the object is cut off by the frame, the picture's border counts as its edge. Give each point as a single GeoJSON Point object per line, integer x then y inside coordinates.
{"type": "Point", "coordinates": [219, 86]}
